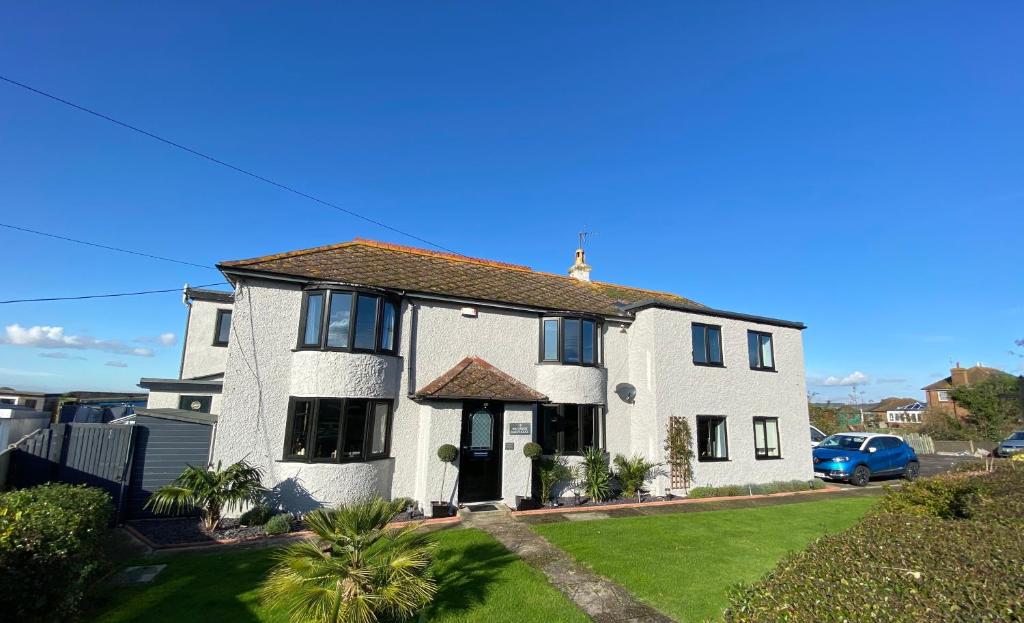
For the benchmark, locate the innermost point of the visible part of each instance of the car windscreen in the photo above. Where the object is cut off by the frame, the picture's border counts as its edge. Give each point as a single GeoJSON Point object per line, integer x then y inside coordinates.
{"type": "Point", "coordinates": [1018, 436]}
{"type": "Point", "coordinates": [843, 442]}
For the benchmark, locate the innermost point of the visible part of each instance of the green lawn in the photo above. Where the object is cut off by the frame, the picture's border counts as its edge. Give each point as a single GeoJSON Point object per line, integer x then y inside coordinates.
{"type": "Point", "coordinates": [478, 580]}
{"type": "Point", "coordinates": [683, 564]}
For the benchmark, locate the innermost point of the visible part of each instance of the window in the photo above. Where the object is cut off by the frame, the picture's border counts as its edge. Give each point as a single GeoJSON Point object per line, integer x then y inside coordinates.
{"type": "Point", "coordinates": [7, 401]}
{"type": "Point", "coordinates": [712, 438]}
{"type": "Point", "coordinates": [195, 403]}
{"type": "Point", "coordinates": [707, 344]}
{"type": "Point", "coordinates": [762, 355]}
{"type": "Point", "coordinates": [943, 395]}
{"type": "Point", "coordinates": [568, 340]}
{"type": "Point", "coordinates": [31, 404]}
{"type": "Point", "coordinates": [337, 430]}
{"type": "Point", "coordinates": [568, 429]}
{"type": "Point", "coordinates": [223, 327]}
{"type": "Point", "coordinates": [354, 321]}
{"type": "Point", "coordinates": [766, 438]}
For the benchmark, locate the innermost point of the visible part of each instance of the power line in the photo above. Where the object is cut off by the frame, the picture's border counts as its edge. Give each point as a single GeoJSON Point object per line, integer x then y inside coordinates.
{"type": "Point", "coordinates": [104, 296]}
{"type": "Point", "coordinates": [224, 164]}
{"type": "Point", "coordinates": [103, 246]}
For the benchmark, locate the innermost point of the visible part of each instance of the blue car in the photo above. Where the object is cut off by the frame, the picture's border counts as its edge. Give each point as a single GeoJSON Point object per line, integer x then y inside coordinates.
{"type": "Point", "coordinates": [857, 457]}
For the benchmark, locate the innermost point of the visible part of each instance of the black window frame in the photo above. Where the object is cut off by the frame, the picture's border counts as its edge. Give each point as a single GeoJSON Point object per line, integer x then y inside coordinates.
{"type": "Point", "coordinates": [778, 439]}
{"type": "Point", "coordinates": [353, 320]}
{"type": "Point", "coordinates": [310, 430]}
{"type": "Point", "coordinates": [216, 327]}
{"type": "Point", "coordinates": [583, 319]}
{"type": "Point", "coordinates": [707, 346]}
{"type": "Point", "coordinates": [760, 356]}
{"type": "Point", "coordinates": [558, 445]}
{"type": "Point", "coordinates": [713, 459]}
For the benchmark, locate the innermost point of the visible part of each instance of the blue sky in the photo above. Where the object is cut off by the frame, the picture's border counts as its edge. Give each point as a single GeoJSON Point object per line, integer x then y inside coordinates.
{"type": "Point", "coordinates": [854, 166]}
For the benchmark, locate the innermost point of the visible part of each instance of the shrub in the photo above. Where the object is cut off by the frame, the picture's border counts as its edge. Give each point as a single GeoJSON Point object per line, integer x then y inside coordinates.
{"type": "Point", "coordinates": [447, 453]}
{"type": "Point", "coordinates": [256, 516]}
{"type": "Point", "coordinates": [551, 471]}
{"type": "Point", "coordinates": [532, 450]}
{"type": "Point", "coordinates": [633, 473]}
{"type": "Point", "coordinates": [778, 486]}
{"type": "Point", "coordinates": [278, 524]}
{"type": "Point", "coordinates": [597, 481]}
{"type": "Point", "coordinates": [947, 549]}
{"type": "Point", "coordinates": [50, 538]}
{"type": "Point", "coordinates": [948, 497]}
{"type": "Point", "coordinates": [210, 490]}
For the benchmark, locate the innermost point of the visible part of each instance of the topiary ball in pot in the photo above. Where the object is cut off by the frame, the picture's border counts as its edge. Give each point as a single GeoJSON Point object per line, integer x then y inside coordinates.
{"type": "Point", "coordinates": [532, 450]}
{"type": "Point", "coordinates": [447, 453]}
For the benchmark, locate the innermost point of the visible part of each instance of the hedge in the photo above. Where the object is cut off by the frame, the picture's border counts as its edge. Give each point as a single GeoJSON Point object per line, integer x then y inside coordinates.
{"type": "Point", "coordinates": [50, 549]}
{"type": "Point", "coordinates": [779, 486]}
{"type": "Point", "coordinates": [948, 549]}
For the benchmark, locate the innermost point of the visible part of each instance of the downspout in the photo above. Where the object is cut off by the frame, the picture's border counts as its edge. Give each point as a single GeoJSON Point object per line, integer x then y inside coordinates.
{"type": "Point", "coordinates": [410, 369]}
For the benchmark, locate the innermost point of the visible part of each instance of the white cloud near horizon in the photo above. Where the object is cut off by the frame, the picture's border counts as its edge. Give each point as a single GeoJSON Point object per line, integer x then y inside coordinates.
{"type": "Point", "coordinates": [854, 378]}
{"type": "Point", "coordinates": [57, 354]}
{"type": "Point", "coordinates": [55, 338]}
{"type": "Point", "coordinates": [116, 364]}
{"type": "Point", "coordinates": [164, 339]}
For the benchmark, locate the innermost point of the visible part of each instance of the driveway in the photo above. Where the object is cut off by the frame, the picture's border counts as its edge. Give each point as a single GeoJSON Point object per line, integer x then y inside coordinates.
{"type": "Point", "coordinates": [931, 465]}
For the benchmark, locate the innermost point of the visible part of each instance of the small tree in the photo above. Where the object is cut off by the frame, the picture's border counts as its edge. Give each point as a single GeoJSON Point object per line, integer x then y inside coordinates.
{"type": "Point", "coordinates": [210, 490]}
{"type": "Point", "coordinates": [679, 449]}
{"type": "Point", "coordinates": [633, 473]}
{"type": "Point", "coordinates": [532, 451]}
{"type": "Point", "coordinates": [551, 471]}
{"type": "Point", "coordinates": [994, 404]}
{"type": "Point", "coordinates": [447, 453]}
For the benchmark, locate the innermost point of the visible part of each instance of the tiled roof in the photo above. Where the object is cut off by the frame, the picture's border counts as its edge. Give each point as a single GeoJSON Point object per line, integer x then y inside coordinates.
{"type": "Point", "coordinates": [370, 263]}
{"type": "Point", "coordinates": [475, 378]}
{"type": "Point", "coordinates": [975, 374]}
{"type": "Point", "coordinates": [893, 404]}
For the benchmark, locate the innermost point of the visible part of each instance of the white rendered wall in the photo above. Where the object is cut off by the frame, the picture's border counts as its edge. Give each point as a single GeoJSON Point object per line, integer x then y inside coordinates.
{"type": "Point", "coordinates": [200, 357]}
{"type": "Point", "coordinates": [670, 385]}
{"type": "Point", "coordinates": [344, 375]}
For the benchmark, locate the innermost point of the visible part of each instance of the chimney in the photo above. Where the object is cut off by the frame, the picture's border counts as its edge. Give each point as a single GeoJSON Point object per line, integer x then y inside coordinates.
{"type": "Point", "coordinates": [580, 269]}
{"type": "Point", "coordinates": [958, 375]}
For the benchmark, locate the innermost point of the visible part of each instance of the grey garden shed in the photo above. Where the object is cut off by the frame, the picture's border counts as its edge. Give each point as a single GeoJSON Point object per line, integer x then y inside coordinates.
{"type": "Point", "coordinates": [166, 441]}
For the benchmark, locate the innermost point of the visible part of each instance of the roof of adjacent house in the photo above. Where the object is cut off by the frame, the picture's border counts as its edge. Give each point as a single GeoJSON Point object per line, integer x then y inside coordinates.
{"type": "Point", "coordinates": [11, 390]}
{"type": "Point", "coordinates": [384, 265]}
{"type": "Point", "coordinates": [975, 374]}
{"type": "Point", "coordinates": [215, 296]}
{"type": "Point", "coordinates": [896, 404]}
{"type": "Point", "coordinates": [475, 378]}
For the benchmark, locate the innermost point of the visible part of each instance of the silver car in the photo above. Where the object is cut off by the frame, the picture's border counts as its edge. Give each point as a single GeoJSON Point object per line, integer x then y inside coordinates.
{"type": "Point", "coordinates": [1011, 445]}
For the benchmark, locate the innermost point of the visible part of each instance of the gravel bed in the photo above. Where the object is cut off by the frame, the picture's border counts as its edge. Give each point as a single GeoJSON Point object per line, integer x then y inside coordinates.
{"type": "Point", "coordinates": [182, 530]}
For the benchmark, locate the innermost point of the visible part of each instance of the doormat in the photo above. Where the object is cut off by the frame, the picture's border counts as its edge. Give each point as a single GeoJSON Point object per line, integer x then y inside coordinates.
{"type": "Point", "coordinates": [477, 508]}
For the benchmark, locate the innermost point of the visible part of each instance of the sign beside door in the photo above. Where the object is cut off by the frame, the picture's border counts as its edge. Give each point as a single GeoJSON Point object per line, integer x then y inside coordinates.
{"type": "Point", "coordinates": [519, 428]}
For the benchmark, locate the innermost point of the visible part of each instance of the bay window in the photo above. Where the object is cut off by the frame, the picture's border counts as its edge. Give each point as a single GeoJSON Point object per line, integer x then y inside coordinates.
{"type": "Point", "coordinates": [337, 430]}
{"type": "Point", "coordinates": [354, 321]}
{"type": "Point", "coordinates": [766, 438]}
{"type": "Point", "coordinates": [570, 340]}
{"type": "Point", "coordinates": [568, 429]}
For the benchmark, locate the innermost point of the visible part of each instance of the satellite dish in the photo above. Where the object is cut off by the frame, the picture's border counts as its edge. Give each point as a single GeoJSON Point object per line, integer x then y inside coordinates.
{"type": "Point", "coordinates": [626, 392]}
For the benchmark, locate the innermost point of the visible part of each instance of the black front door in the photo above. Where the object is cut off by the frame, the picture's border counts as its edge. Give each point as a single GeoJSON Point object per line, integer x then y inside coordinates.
{"type": "Point", "coordinates": [480, 456]}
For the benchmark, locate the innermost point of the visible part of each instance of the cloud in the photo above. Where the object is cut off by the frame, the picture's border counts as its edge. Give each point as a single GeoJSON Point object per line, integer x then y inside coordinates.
{"type": "Point", "coordinates": [854, 378]}
{"type": "Point", "coordinates": [16, 372]}
{"type": "Point", "coordinates": [892, 379]}
{"type": "Point", "coordinates": [164, 339]}
{"type": "Point", "coordinates": [116, 364]}
{"type": "Point", "coordinates": [61, 355]}
{"type": "Point", "coordinates": [54, 337]}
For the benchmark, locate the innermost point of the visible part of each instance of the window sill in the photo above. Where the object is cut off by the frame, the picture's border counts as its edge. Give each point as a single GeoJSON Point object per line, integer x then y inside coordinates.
{"type": "Point", "coordinates": [356, 351]}
{"type": "Point", "coordinates": [219, 345]}
{"type": "Point", "coordinates": [709, 365]}
{"type": "Point", "coordinates": [576, 365]}
{"type": "Point", "coordinates": [768, 458]}
{"type": "Point", "coordinates": [764, 369]}
{"type": "Point", "coordinates": [348, 462]}
{"type": "Point", "coordinates": [712, 460]}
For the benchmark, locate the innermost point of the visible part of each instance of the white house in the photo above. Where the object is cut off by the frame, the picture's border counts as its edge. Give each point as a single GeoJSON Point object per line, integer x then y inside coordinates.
{"type": "Point", "coordinates": [348, 365]}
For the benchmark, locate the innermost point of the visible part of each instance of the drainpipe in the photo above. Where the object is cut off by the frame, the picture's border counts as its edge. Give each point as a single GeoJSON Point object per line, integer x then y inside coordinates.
{"type": "Point", "coordinates": [410, 371]}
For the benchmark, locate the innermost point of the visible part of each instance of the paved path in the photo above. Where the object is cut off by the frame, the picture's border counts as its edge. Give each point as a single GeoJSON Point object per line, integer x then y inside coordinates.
{"type": "Point", "coordinates": [602, 600]}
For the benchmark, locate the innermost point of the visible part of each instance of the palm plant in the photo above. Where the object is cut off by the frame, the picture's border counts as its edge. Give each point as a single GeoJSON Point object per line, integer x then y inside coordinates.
{"type": "Point", "coordinates": [551, 471]}
{"type": "Point", "coordinates": [356, 570]}
{"type": "Point", "coordinates": [633, 473]}
{"type": "Point", "coordinates": [597, 482]}
{"type": "Point", "coordinates": [210, 490]}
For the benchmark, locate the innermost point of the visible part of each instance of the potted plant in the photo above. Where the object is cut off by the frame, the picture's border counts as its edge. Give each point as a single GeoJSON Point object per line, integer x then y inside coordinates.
{"type": "Point", "coordinates": [532, 451]}
{"type": "Point", "coordinates": [442, 507]}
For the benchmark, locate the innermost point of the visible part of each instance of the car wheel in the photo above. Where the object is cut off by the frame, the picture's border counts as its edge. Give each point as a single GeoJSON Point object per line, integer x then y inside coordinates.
{"type": "Point", "coordinates": [912, 471]}
{"type": "Point", "coordinates": [860, 476]}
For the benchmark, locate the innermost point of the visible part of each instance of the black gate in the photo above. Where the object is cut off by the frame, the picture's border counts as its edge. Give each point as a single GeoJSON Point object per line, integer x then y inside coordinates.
{"type": "Point", "coordinates": [98, 455]}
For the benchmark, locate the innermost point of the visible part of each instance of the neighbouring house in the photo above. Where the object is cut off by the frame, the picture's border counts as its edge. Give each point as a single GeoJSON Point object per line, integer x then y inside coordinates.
{"type": "Point", "coordinates": [199, 386]}
{"type": "Point", "coordinates": [14, 397]}
{"type": "Point", "coordinates": [897, 413]}
{"type": "Point", "coordinates": [339, 371]}
{"type": "Point", "coordinates": [939, 395]}
{"type": "Point", "coordinates": [16, 421]}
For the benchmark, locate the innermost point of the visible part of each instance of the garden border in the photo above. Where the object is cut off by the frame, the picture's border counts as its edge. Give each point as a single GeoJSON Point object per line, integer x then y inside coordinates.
{"type": "Point", "coordinates": [265, 538]}
{"type": "Point", "coordinates": [608, 507]}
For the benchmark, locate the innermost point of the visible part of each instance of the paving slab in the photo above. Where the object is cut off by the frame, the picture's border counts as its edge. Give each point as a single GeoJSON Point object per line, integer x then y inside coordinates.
{"type": "Point", "coordinates": [137, 575]}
